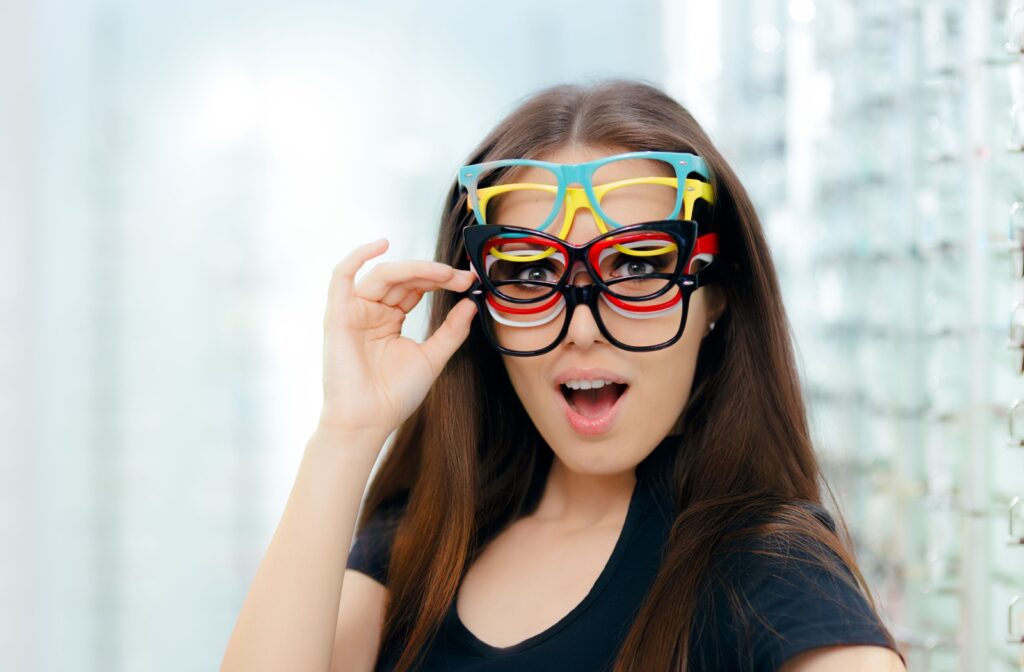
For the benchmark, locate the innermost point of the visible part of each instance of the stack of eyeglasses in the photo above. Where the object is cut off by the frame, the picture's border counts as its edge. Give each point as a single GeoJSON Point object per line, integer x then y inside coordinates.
{"type": "Point", "coordinates": [639, 287]}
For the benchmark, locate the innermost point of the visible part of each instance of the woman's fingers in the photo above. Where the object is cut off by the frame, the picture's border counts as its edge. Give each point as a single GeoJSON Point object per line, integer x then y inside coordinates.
{"type": "Point", "coordinates": [443, 343]}
{"type": "Point", "coordinates": [396, 295]}
{"type": "Point", "coordinates": [376, 284]}
{"type": "Point", "coordinates": [344, 272]}
{"type": "Point", "coordinates": [398, 292]}
{"type": "Point", "coordinates": [410, 301]}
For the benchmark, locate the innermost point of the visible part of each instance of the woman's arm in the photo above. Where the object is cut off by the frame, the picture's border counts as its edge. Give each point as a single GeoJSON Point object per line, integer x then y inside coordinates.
{"type": "Point", "coordinates": [374, 378]}
{"type": "Point", "coordinates": [289, 617]}
{"type": "Point", "coordinates": [846, 659]}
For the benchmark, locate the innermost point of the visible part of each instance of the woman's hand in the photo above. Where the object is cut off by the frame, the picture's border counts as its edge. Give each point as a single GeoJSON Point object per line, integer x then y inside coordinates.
{"type": "Point", "coordinates": [374, 378]}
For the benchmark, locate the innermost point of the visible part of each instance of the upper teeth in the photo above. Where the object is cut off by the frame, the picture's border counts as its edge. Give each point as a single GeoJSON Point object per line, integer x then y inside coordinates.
{"type": "Point", "coordinates": [587, 384]}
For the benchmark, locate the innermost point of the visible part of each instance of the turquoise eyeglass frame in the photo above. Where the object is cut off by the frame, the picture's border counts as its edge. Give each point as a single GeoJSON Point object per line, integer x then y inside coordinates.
{"type": "Point", "coordinates": [583, 173]}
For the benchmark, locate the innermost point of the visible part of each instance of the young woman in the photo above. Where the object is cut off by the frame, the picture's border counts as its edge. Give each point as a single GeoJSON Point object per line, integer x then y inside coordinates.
{"type": "Point", "coordinates": [602, 459]}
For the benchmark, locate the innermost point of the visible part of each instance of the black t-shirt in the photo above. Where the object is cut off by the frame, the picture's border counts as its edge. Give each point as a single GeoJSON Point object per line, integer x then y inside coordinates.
{"type": "Point", "coordinates": [804, 606]}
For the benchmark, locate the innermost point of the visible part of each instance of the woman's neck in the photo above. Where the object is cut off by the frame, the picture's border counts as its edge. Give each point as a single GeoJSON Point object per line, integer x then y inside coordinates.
{"type": "Point", "coordinates": [580, 501]}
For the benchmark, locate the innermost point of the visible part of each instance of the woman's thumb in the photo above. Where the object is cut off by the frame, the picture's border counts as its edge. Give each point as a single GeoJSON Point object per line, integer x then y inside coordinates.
{"type": "Point", "coordinates": [443, 343]}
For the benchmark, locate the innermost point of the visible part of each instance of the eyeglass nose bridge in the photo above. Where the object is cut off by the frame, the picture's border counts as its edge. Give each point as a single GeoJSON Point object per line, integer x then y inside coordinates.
{"type": "Point", "coordinates": [574, 199]}
{"type": "Point", "coordinates": [577, 197]}
{"type": "Point", "coordinates": [579, 295]}
{"type": "Point", "coordinates": [585, 297]}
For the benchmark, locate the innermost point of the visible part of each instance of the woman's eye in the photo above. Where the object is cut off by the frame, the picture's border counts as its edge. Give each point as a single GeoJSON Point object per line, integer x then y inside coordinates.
{"type": "Point", "coordinates": [633, 267]}
{"type": "Point", "coordinates": [535, 274]}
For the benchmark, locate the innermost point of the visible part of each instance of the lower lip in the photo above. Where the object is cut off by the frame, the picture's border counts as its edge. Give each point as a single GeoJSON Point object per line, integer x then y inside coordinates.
{"type": "Point", "coordinates": [591, 426]}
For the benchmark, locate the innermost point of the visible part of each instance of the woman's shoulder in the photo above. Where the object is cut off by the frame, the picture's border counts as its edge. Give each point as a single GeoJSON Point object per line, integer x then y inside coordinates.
{"type": "Point", "coordinates": [777, 593]}
{"type": "Point", "coordinates": [794, 548]}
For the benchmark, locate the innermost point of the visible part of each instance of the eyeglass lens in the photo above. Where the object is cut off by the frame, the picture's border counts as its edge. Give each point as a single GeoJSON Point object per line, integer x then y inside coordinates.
{"type": "Point", "coordinates": [631, 191]}
{"type": "Point", "coordinates": [642, 306]}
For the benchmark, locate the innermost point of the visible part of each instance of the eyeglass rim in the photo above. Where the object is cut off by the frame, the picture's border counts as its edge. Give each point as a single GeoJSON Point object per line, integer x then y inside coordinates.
{"type": "Point", "coordinates": [475, 237]}
{"type": "Point", "coordinates": [476, 293]}
{"type": "Point", "coordinates": [688, 283]}
{"type": "Point", "coordinates": [568, 173]}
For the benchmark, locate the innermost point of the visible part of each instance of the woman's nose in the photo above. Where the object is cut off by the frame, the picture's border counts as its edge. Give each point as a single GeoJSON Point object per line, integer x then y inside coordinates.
{"type": "Point", "coordinates": [583, 329]}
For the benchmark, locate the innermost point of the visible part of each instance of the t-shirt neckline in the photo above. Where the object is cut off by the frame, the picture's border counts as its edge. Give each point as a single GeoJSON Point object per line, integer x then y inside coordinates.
{"type": "Point", "coordinates": [638, 505]}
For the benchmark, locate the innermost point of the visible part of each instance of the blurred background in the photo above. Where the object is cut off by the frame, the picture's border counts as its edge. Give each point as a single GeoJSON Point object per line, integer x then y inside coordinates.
{"type": "Point", "coordinates": [177, 181]}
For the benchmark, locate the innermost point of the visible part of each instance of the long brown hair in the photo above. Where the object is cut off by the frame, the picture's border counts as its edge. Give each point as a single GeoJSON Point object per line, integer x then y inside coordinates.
{"type": "Point", "coordinates": [467, 458]}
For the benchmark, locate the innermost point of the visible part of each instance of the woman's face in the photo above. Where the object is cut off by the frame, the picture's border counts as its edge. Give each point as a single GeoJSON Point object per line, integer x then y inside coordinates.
{"type": "Point", "coordinates": [607, 430]}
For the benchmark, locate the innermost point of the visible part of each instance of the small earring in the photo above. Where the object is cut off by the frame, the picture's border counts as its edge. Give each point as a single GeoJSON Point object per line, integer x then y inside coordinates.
{"type": "Point", "coordinates": [711, 326]}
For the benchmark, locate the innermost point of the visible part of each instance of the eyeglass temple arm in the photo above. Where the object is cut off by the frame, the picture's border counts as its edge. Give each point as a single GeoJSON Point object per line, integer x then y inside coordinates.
{"type": "Point", "coordinates": [715, 269]}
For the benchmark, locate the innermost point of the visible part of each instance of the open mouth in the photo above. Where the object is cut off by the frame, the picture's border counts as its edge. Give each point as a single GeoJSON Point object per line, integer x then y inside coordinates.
{"type": "Point", "coordinates": [595, 402]}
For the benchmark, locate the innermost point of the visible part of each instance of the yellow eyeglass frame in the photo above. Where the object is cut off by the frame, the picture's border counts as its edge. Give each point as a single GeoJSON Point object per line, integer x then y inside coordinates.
{"type": "Point", "coordinates": [576, 197]}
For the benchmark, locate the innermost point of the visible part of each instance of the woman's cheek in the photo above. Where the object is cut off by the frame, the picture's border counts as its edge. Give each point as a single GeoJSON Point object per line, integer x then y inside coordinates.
{"type": "Point", "coordinates": [662, 390]}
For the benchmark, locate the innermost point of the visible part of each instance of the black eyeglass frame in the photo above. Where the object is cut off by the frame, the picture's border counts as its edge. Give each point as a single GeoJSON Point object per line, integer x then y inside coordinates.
{"type": "Point", "coordinates": [683, 231]}
{"type": "Point", "coordinates": [475, 239]}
